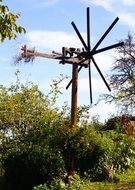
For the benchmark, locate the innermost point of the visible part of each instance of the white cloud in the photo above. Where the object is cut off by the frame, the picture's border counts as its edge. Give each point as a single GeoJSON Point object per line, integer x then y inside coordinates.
{"type": "Point", "coordinates": [97, 85]}
{"type": "Point", "coordinates": [106, 4]}
{"type": "Point", "coordinates": [53, 40]}
{"type": "Point", "coordinates": [129, 2]}
{"type": "Point", "coordinates": [127, 18]}
{"type": "Point", "coordinates": [104, 60]}
{"type": "Point", "coordinates": [104, 111]}
{"type": "Point", "coordinates": [122, 8]}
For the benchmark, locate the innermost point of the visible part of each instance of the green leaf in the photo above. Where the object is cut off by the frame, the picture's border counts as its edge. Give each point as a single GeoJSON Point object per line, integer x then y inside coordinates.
{"type": "Point", "coordinates": [8, 22]}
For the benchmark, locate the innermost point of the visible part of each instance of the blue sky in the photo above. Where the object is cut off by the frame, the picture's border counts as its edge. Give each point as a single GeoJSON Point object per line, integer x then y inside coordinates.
{"type": "Point", "coordinates": [48, 26]}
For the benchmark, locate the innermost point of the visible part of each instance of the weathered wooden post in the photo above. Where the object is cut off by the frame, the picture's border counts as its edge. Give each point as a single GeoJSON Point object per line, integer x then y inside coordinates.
{"type": "Point", "coordinates": [74, 97]}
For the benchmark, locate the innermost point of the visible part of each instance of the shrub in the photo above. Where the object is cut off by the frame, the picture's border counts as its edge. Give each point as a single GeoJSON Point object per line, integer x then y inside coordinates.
{"type": "Point", "coordinates": [124, 153]}
{"type": "Point", "coordinates": [89, 150]}
{"type": "Point", "coordinates": [97, 156]}
{"type": "Point", "coordinates": [50, 150]}
{"type": "Point", "coordinates": [59, 184]}
{"type": "Point", "coordinates": [26, 167]}
{"type": "Point", "coordinates": [114, 123]}
{"type": "Point", "coordinates": [123, 156]}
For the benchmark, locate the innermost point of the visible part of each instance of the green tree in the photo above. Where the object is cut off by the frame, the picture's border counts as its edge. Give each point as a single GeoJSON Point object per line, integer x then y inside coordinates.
{"type": "Point", "coordinates": [122, 79]}
{"type": "Point", "coordinates": [23, 107]}
{"type": "Point", "coordinates": [8, 25]}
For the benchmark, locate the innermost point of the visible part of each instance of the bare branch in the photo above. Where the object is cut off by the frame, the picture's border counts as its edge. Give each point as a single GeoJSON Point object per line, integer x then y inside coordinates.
{"type": "Point", "coordinates": [122, 79]}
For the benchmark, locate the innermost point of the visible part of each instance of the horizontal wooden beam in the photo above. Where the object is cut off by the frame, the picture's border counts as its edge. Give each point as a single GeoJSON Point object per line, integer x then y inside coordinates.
{"type": "Point", "coordinates": [63, 59]}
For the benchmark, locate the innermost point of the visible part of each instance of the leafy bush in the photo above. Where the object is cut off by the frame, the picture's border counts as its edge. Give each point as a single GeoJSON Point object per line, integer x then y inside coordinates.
{"type": "Point", "coordinates": [28, 166]}
{"type": "Point", "coordinates": [114, 123]}
{"type": "Point", "coordinates": [38, 144]}
{"type": "Point", "coordinates": [46, 154]}
{"type": "Point", "coordinates": [58, 184]}
{"type": "Point", "coordinates": [88, 149]}
{"type": "Point", "coordinates": [24, 107]}
{"type": "Point", "coordinates": [124, 150]}
{"type": "Point", "coordinates": [124, 155]}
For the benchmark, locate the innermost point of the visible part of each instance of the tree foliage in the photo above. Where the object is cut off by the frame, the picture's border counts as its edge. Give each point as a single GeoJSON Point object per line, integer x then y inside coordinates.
{"type": "Point", "coordinates": [122, 79]}
{"type": "Point", "coordinates": [26, 166]}
{"type": "Point", "coordinates": [22, 108]}
{"type": "Point", "coordinates": [8, 23]}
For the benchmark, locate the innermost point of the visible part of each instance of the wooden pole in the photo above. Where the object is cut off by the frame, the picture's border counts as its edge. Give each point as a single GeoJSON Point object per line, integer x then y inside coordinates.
{"type": "Point", "coordinates": [74, 100]}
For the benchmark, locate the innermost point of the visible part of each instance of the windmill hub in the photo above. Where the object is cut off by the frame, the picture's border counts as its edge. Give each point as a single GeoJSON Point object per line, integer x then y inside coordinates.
{"type": "Point", "coordinates": [86, 55]}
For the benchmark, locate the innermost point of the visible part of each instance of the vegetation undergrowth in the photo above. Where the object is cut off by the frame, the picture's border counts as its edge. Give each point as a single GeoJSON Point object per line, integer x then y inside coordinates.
{"type": "Point", "coordinates": [39, 148]}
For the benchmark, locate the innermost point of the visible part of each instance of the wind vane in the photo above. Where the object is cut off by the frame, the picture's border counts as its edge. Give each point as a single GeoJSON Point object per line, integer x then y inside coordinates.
{"type": "Point", "coordinates": [79, 58]}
